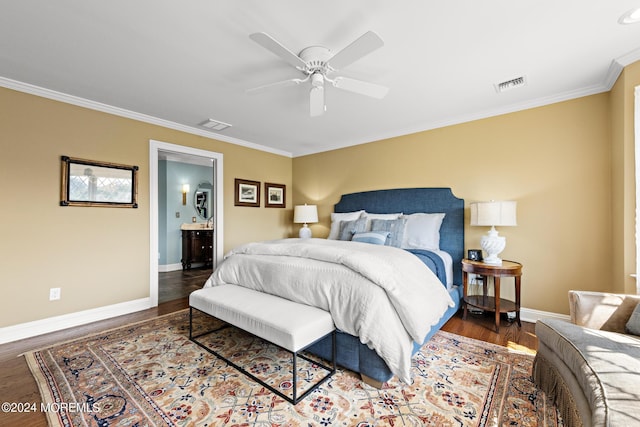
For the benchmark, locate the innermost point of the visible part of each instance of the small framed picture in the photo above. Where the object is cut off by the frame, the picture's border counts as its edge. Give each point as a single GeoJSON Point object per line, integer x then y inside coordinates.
{"type": "Point", "coordinates": [275, 195]}
{"type": "Point", "coordinates": [474, 254]}
{"type": "Point", "coordinates": [247, 193]}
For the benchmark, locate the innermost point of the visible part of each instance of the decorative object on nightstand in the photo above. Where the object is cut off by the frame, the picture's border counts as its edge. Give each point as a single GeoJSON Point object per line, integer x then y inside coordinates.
{"type": "Point", "coordinates": [493, 213]}
{"type": "Point", "coordinates": [474, 254]}
{"type": "Point", "coordinates": [305, 214]}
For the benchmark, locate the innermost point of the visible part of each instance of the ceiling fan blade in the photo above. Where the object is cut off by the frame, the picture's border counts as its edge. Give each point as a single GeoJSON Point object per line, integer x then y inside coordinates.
{"type": "Point", "coordinates": [284, 83]}
{"type": "Point", "coordinates": [271, 44]}
{"type": "Point", "coordinates": [365, 44]}
{"type": "Point", "coordinates": [363, 88]}
{"type": "Point", "coordinates": [316, 101]}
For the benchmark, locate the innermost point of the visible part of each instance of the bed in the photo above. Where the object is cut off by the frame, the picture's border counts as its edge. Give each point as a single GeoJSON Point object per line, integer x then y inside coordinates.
{"type": "Point", "coordinates": [357, 351]}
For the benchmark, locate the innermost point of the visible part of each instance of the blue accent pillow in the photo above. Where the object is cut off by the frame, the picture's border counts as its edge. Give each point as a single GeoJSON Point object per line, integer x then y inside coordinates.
{"type": "Point", "coordinates": [395, 227]}
{"type": "Point", "coordinates": [633, 324]}
{"type": "Point", "coordinates": [373, 237]}
{"type": "Point", "coordinates": [349, 228]}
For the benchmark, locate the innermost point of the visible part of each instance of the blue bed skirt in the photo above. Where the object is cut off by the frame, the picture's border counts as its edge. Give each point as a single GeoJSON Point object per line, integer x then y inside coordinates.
{"type": "Point", "coordinates": [357, 357]}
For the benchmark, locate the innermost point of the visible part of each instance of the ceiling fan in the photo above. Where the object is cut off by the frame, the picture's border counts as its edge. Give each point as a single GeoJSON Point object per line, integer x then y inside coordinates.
{"type": "Point", "coordinates": [317, 62]}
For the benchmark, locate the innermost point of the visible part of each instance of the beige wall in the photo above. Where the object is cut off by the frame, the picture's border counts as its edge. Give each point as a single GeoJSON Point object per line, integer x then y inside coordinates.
{"type": "Point", "coordinates": [623, 176]}
{"type": "Point", "coordinates": [569, 166]}
{"type": "Point", "coordinates": [555, 161]}
{"type": "Point", "coordinates": [98, 256]}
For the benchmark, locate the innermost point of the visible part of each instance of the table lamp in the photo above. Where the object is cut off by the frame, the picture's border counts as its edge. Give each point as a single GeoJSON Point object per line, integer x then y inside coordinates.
{"type": "Point", "coordinates": [305, 214]}
{"type": "Point", "coordinates": [493, 213]}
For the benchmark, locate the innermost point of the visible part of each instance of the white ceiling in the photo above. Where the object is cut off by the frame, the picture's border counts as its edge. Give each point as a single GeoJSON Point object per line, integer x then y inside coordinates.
{"type": "Point", "coordinates": [182, 62]}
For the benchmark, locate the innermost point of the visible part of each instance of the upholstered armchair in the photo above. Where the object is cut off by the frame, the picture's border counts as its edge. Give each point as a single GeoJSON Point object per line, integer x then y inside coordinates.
{"type": "Point", "coordinates": [590, 367]}
{"type": "Point", "coordinates": [599, 310]}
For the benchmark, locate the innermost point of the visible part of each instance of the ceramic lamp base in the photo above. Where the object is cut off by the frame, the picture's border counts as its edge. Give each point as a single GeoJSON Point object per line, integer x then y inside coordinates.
{"type": "Point", "coordinates": [493, 244]}
{"type": "Point", "coordinates": [305, 232]}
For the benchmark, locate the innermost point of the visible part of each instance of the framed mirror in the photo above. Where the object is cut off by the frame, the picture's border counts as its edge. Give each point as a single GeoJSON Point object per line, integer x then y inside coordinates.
{"type": "Point", "coordinates": [202, 200]}
{"type": "Point", "coordinates": [93, 183]}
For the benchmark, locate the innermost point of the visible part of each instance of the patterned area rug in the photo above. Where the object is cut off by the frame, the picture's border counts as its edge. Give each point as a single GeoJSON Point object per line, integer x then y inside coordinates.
{"type": "Point", "coordinates": [149, 373]}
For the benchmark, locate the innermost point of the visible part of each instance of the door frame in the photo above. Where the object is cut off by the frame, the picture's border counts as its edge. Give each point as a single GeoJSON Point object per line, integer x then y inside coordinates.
{"type": "Point", "coordinates": [218, 217]}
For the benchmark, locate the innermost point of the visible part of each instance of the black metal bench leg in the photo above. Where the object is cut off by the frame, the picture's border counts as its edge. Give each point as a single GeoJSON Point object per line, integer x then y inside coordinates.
{"type": "Point", "coordinates": [295, 377]}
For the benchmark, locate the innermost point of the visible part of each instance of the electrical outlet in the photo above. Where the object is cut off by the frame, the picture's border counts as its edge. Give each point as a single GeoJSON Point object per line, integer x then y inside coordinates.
{"type": "Point", "coordinates": [54, 294]}
{"type": "Point", "coordinates": [177, 214]}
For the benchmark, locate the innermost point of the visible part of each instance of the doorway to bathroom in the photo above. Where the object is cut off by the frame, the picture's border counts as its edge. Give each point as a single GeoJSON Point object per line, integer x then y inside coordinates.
{"type": "Point", "coordinates": [185, 199]}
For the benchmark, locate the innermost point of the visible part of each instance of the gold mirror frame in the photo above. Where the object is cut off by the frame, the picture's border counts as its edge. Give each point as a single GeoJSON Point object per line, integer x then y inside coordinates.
{"type": "Point", "coordinates": [102, 184]}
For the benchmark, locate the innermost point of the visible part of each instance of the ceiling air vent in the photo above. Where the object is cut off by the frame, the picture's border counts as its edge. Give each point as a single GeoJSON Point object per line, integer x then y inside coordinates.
{"type": "Point", "coordinates": [510, 84]}
{"type": "Point", "coordinates": [214, 124]}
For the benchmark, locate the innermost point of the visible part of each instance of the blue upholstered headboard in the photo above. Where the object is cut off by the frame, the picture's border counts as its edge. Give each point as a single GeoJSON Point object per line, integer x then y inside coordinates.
{"type": "Point", "coordinates": [414, 200]}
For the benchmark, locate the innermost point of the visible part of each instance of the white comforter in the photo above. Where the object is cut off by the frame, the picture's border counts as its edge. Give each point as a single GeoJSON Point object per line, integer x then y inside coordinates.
{"type": "Point", "coordinates": [384, 295]}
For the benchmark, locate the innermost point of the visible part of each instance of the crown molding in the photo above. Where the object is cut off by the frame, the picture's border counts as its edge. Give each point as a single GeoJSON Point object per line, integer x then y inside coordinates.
{"type": "Point", "coordinates": [613, 73]}
{"type": "Point", "coordinates": [617, 65]}
{"type": "Point", "coordinates": [539, 102]}
{"type": "Point", "coordinates": [615, 68]}
{"type": "Point", "coordinates": [629, 58]}
{"type": "Point", "coordinates": [117, 111]}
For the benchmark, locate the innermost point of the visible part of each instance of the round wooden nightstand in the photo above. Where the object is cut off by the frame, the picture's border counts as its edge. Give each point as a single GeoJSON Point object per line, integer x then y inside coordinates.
{"type": "Point", "coordinates": [485, 302]}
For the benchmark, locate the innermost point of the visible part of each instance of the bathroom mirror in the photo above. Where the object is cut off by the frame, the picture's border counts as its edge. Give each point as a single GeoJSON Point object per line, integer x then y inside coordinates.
{"type": "Point", "coordinates": [202, 200]}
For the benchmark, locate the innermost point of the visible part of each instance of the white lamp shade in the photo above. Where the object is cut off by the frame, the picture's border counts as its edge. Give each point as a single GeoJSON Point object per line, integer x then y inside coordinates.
{"type": "Point", "coordinates": [306, 214]}
{"type": "Point", "coordinates": [502, 213]}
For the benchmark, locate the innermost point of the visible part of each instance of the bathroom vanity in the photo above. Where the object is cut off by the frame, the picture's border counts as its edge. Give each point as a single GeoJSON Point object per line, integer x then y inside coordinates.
{"type": "Point", "coordinates": [197, 245]}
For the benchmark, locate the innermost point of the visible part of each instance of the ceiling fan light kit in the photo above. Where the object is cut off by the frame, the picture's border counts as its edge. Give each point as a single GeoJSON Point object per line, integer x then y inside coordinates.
{"type": "Point", "coordinates": [316, 101]}
{"type": "Point", "coordinates": [316, 63]}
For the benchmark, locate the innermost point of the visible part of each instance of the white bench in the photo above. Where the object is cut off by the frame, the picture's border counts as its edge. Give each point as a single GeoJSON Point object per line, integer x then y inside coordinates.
{"type": "Point", "coordinates": [290, 325]}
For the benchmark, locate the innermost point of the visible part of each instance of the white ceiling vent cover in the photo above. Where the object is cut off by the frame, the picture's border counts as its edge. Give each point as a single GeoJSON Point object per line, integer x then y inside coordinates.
{"type": "Point", "coordinates": [214, 124]}
{"type": "Point", "coordinates": [511, 84]}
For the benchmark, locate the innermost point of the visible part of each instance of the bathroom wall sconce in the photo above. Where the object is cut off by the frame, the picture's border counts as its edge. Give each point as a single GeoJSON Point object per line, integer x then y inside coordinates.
{"type": "Point", "coordinates": [185, 190]}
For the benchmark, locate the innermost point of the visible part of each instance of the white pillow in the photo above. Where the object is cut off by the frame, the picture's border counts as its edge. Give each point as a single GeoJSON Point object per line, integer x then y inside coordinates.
{"type": "Point", "coordinates": [422, 231]}
{"type": "Point", "coordinates": [336, 218]}
{"type": "Point", "coordinates": [371, 216]}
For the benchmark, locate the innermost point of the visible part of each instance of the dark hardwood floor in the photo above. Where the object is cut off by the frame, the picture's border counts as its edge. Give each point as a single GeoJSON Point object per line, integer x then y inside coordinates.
{"type": "Point", "coordinates": [18, 386]}
{"type": "Point", "coordinates": [480, 327]}
{"type": "Point", "coordinates": [179, 284]}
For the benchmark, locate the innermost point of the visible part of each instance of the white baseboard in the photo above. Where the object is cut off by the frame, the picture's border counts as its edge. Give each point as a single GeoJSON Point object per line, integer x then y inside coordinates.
{"type": "Point", "coordinates": [175, 267]}
{"type": "Point", "coordinates": [52, 324]}
{"type": "Point", "coordinates": [56, 323]}
{"type": "Point", "coordinates": [169, 267]}
{"type": "Point", "coordinates": [531, 315]}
